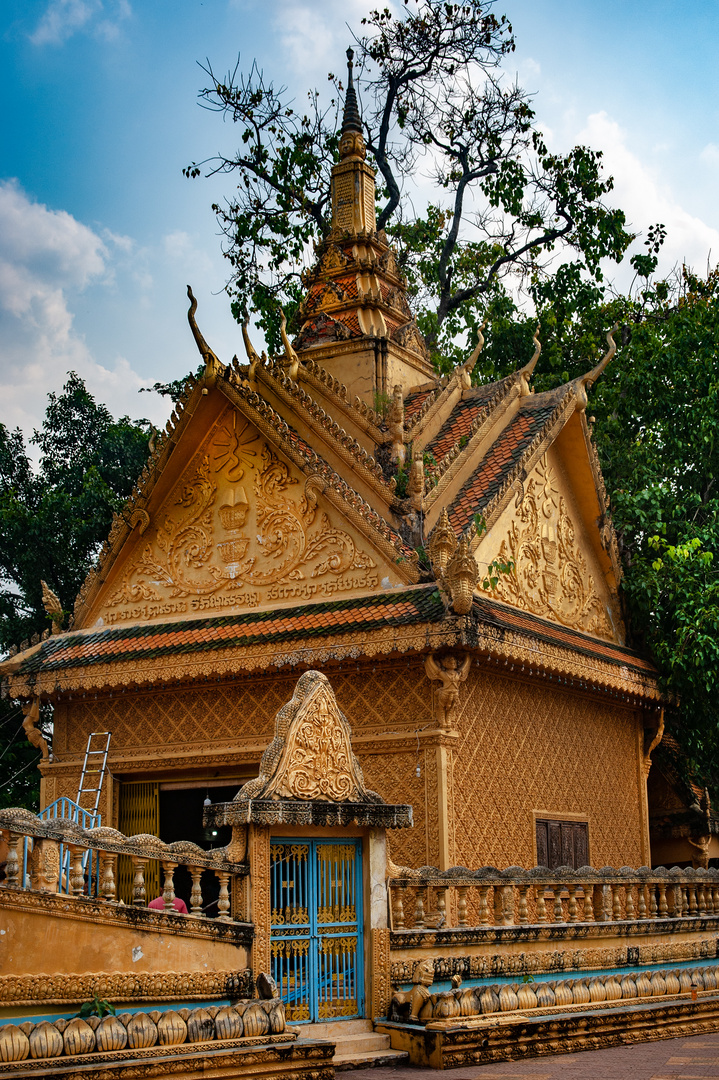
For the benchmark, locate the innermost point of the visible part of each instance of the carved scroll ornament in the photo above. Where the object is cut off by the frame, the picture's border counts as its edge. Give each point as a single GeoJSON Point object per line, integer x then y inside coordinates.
{"type": "Point", "coordinates": [311, 754]}
{"type": "Point", "coordinates": [227, 542]}
{"type": "Point", "coordinates": [551, 577]}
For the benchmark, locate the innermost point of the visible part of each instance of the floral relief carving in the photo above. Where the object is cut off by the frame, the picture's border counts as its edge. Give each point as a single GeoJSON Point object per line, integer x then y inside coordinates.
{"type": "Point", "coordinates": [550, 577]}
{"type": "Point", "coordinates": [219, 544]}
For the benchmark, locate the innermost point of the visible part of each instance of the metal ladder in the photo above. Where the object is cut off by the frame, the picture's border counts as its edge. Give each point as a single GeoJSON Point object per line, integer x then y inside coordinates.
{"type": "Point", "coordinates": [93, 769]}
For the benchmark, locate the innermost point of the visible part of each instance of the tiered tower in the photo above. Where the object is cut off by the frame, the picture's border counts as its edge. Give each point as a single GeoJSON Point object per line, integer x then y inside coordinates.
{"type": "Point", "coordinates": [356, 319]}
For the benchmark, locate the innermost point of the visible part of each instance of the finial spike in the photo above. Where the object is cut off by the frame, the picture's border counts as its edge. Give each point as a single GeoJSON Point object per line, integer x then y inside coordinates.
{"type": "Point", "coordinates": [529, 368]}
{"type": "Point", "coordinates": [592, 376]}
{"type": "Point", "coordinates": [351, 120]}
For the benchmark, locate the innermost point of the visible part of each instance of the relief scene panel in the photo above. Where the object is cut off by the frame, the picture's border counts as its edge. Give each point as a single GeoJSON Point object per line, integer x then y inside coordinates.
{"type": "Point", "coordinates": [241, 530]}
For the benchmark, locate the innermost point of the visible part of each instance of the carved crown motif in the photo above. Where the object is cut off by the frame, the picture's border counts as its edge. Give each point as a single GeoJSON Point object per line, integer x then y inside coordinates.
{"type": "Point", "coordinates": [311, 754]}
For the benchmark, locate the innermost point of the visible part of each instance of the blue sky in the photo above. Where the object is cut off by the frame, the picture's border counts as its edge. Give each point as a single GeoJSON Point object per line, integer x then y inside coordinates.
{"type": "Point", "coordinates": [100, 232]}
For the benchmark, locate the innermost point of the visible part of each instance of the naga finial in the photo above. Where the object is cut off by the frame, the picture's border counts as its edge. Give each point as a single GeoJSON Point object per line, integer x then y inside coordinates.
{"type": "Point", "coordinates": [211, 361]}
{"type": "Point", "coordinates": [250, 350]}
{"type": "Point", "coordinates": [289, 351]}
{"type": "Point", "coordinates": [585, 381]}
{"type": "Point", "coordinates": [468, 366]}
{"type": "Point", "coordinates": [528, 368]}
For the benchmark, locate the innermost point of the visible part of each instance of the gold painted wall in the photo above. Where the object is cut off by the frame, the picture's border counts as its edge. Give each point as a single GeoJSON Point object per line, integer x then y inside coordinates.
{"type": "Point", "coordinates": [535, 746]}
{"type": "Point", "coordinates": [519, 747]}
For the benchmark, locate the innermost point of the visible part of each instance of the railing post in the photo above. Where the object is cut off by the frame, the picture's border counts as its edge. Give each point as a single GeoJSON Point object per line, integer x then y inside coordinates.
{"type": "Point", "coordinates": [223, 902]}
{"type": "Point", "coordinates": [522, 910]}
{"type": "Point", "coordinates": [107, 876]}
{"type": "Point", "coordinates": [558, 912]}
{"type": "Point", "coordinates": [440, 899]}
{"type": "Point", "coordinates": [692, 899]}
{"type": "Point", "coordinates": [663, 905]}
{"type": "Point", "coordinates": [397, 908]}
{"type": "Point", "coordinates": [12, 867]}
{"type": "Point", "coordinates": [139, 896]}
{"type": "Point", "coordinates": [541, 903]}
{"type": "Point", "coordinates": [572, 904]}
{"type": "Point", "coordinates": [419, 893]}
{"type": "Point", "coordinates": [642, 897]}
{"type": "Point", "coordinates": [77, 874]}
{"type": "Point", "coordinates": [462, 905]}
{"type": "Point", "coordinates": [196, 894]}
{"type": "Point", "coordinates": [600, 905]}
{"type": "Point", "coordinates": [702, 901]}
{"type": "Point", "coordinates": [616, 903]}
{"type": "Point", "coordinates": [168, 889]}
{"type": "Point", "coordinates": [483, 913]}
{"type": "Point", "coordinates": [629, 902]}
{"type": "Point", "coordinates": [653, 908]}
{"type": "Point", "coordinates": [588, 912]}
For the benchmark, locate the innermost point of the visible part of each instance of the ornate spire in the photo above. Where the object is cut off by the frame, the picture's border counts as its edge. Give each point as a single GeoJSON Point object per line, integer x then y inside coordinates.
{"type": "Point", "coordinates": [351, 118]}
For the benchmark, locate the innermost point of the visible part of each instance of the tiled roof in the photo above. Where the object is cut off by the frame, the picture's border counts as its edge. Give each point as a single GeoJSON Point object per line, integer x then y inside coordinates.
{"type": "Point", "coordinates": [398, 608]}
{"type": "Point", "coordinates": [350, 319]}
{"type": "Point", "coordinates": [414, 402]}
{"type": "Point", "coordinates": [504, 454]}
{"type": "Point", "coordinates": [458, 424]}
{"type": "Point", "coordinates": [505, 617]}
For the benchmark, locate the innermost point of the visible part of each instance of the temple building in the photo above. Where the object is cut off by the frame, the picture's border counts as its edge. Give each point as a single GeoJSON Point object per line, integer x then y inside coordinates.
{"type": "Point", "coordinates": [299, 607]}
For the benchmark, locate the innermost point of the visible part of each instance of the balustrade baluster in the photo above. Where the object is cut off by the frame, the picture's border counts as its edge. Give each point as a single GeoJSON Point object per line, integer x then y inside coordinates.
{"type": "Point", "coordinates": [715, 897]}
{"type": "Point", "coordinates": [397, 908]}
{"type": "Point", "coordinates": [692, 899]}
{"type": "Point", "coordinates": [462, 905]}
{"type": "Point", "coordinates": [419, 894]}
{"type": "Point", "coordinates": [196, 894]}
{"type": "Point", "coordinates": [12, 867]}
{"type": "Point", "coordinates": [701, 898]}
{"type": "Point", "coordinates": [483, 913]}
{"type": "Point", "coordinates": [629, 902]}
{"type": "Point", "coordinates": [522, 909]}
{"type": "Point", "coordinates": [663, 905]}
{"type": "Point", "coordinates": [168, 890]}
{"type": "Point", "coordinates": [588, 912]}
{"type": "Point", "coordinates": [653, 909]}
{"type": "Point", "coordinates": [223, 902]}
{"type": "Point", "coordinates": [139, 896]}
{"type": "Point", "coordinates": [642, 897]}
{"type": "Point", "coordinates": [441, 904]}
{"type": "Point", "coordinates": [616, 903]}
{"type": "Point", "coordinates": [107, 876]}
{"type": "Point", "coordinates": [572, 904]}
{"type": "Point", "coordinates": [541, 903]}
{"type": "Point", "coordinates": [507, 905]}
{"type": "Point", "coordinates": [558, 913]}
{"type": "Point", "coordinates": [77, 873]}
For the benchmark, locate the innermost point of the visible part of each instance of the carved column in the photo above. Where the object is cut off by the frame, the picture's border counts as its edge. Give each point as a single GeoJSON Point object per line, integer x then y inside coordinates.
{"type": "Point", "coordinates": [12, 867]}
{"type": "Point", "coordinates": [259, 848]}
{"type": "Point", "coordinates": [381, 988]}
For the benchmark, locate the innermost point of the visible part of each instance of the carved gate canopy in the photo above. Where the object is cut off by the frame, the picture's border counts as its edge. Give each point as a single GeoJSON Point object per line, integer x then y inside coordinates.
{"type": "Point", "coordinates": [308, 773]}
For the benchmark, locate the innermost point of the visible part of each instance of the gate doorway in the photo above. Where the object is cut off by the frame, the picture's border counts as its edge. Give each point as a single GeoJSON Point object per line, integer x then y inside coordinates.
{"type": "Point", "coordinates": [316, 928]}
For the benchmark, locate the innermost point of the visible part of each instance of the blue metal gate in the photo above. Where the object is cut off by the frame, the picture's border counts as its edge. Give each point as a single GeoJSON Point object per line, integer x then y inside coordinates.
{"type": "Point", "coordinates": [316, 931]}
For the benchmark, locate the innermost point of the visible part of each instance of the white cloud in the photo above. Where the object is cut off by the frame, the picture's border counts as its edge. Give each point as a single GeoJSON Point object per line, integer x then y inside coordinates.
{"type": "Point", "coordinates": [710, 154]}
{"type": "Point", "coordinates": [63, 18]}
{"type": "Point", "coordinates": [47, 259]}
{"type": "Point", "coordinates": [646, 200]}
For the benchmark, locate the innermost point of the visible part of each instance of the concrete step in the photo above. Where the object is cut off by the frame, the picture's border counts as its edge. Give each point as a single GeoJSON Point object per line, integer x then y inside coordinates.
{"type": "Point", "coordinates": [361, 1043]}
{"type": "Point", "coordinates": [343, 1063]}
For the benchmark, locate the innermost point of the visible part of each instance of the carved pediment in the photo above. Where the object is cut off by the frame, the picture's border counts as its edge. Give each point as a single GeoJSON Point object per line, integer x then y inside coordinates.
{"type": "Point", "coordinates": [552, 576]}
{"type": "Point", "coordinates": [240, 529]}
{"type": "Point", "coordinates": [311, 754]}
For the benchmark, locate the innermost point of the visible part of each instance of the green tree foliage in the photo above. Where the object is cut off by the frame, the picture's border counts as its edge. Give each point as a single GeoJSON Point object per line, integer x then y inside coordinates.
{"type": "Point", "coordinates": [53, 520]}
{"type": "Point", "coordinates": [432, 98]}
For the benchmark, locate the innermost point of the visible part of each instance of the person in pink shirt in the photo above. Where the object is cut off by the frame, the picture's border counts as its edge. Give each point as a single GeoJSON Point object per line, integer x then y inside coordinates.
{"type": "Point", "coordinates": [159, 904]}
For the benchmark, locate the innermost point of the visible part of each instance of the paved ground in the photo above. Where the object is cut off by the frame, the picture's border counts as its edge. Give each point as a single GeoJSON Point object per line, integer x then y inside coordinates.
{"type": "Point", "coordinates": [696, 1058]}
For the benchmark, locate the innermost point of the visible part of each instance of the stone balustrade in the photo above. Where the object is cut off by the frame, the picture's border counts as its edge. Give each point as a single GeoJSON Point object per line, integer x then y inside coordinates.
{"type": "Point", "coordinates": [56, 854]}
{"type": "Point", "coordinates": [431, 899]}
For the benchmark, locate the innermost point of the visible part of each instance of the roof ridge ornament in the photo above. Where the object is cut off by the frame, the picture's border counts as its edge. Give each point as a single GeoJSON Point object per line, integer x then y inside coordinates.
{"type": "Point", "coordinates": [466, 369]}
{"type": "Point", "coordinates": [212, 363]}
{"type": "Point", "coordinates": [582, 384]}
